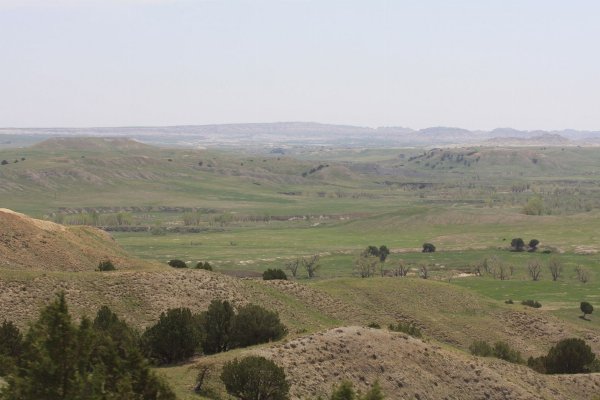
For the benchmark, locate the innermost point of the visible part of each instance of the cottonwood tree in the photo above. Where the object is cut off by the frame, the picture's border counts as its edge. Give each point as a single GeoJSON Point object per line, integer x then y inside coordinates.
{"type": "Point", "coordinates": [292, 266]}
{"type": "Point", "coordinates": [311, 265]}
{"type": "Point", "coordinates": [534, 268]}
{"type": "Point", "coordinates": [365, 264]}
{"type": "Point", "coordinates": [582, 274]}
{"type": "Point", "coordinates": [555, 267]}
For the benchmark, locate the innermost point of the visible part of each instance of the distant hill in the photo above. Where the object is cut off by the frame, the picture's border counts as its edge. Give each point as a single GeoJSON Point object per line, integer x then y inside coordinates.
{"type": "Point", "coordinates": [546, 139]}
{"type": "Point", "coordinates": [33, 244]}
{"type": "Point", "coordinates": [279, 134]}
{"type": "Point", "coordinates": [90, 144]}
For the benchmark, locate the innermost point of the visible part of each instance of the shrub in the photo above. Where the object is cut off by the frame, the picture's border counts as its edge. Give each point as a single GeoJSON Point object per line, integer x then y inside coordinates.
{"type": "Point", "coordinates": [177, 264]}
{"type": "Point", "coordinates": [517, 244]}
{"type": "Point", "coordinates": [374, 325]}
{"type": "Point", "coordinates": [175, 337]}
{"type": "Point", "coordinates": [204, 265]}
{"type": "Point", "coordinates": [4, 162]}
{"type": "Point", "coordinates": [255, 378]}
{"type": "Point", "coordinates": [481, 348]}
{"type": "Point", "coordinates": [533, 244]}
{"type": "Point", "coordinates": [509, 301]}
{"type": "Point", "coordinates": [586, 308]}
{"type": "Point", "coordinates": [106, 265]}
{"type": "Point", "coordinates": [254, 324]}
{"type": "Point", "coordinates": [216, 323]}
{"type": "Point", "coordinates": [569, 356]}
{"type": "Point", "coordinates": [273, 274]}
{"type": "Point", "coordinates": [503, 351]}
{"type": "Point", "coordinates": [531, 303]}
{"type": "Point", "coordinates": [345, 391]}
{"type": "Point", "coordinates": [11, 344]}
{"type": "Point", "coordinates": [428, 248]}
{"type": "Point", "coordinates": [409, 329]}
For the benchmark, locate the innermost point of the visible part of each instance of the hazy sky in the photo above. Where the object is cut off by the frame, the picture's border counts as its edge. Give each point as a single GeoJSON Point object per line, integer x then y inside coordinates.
{"type": "Point", "coordinates": [476, 64]}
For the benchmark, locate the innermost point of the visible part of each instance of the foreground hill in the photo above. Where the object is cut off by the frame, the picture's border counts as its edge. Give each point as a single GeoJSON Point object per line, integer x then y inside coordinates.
{"type": "Point", "coordinates": [33, 244]}
{"type": "Point", "coordinates": [411, 368]}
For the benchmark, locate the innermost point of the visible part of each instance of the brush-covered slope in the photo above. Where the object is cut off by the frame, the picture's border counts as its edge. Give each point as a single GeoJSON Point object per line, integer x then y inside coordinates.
{"type": "Point", "coordinates": [33, 244]}
{"type": "Point", "coordinates": [409, 368]}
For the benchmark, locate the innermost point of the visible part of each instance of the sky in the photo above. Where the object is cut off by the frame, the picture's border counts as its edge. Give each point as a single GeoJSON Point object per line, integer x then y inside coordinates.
{"type": "Point", "coordinates": [476, 64]}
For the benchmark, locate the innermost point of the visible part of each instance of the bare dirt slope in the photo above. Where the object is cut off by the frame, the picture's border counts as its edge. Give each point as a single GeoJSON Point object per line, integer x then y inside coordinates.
{"type": "Point", "coordinates": [32, 244]}
{"type": "Point", "coordinates": [408, 368]}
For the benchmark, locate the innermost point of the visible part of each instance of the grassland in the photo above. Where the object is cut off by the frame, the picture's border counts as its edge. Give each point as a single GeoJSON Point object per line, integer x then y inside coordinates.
{"type": "Point", "coordinates": [252, 211]}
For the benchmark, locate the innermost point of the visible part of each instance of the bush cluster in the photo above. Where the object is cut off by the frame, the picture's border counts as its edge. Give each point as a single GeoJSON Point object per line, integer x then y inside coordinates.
{"type": "Point", "coordinates": [500, 350]}
{"type": "Point", "coordinates": [404, 327]}
{"type": "Point", "coordinates": [274, 274]}
{"type": "Point", "coordinates": [59, 359]}
{"type": "Point", "coordinates": [204, 265]}
{"type": "Point", "coordinates": [531, 303]}
{"type": "Point", "coordinates": [569, 356]}
{"type": "Point", "coordinates": [177, 264]}
{"type": "Point", "coordinates": [106, 265]}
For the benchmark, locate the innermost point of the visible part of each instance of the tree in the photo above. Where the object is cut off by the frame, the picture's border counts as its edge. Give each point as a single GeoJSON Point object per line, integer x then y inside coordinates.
{"type": "Point", "coordinates": [428, 248]}
{"type": "Point", "coordinates": [533, 244]}
{"type": "Point", "coordinates": [204, 265]}
{"type": "Point", "coordinates": [401, 269]}
{"type": "Point", "coordinates": [423, 271]}
{"type": "Point", "coordinates": [517, 244]}
{"type": "Point", "coordinates": [311, 264]}
{"type": "Point", "coordinates": [61, 360]}
{"type": "Point", "coordinates": [582, 274]}
{"type": "Point", "coordinates": [292, 266]}
{"type": "Point", "coordinates": [365, 264]}
{"type": "Point", "coordinates": [586, 308]}
{"type": "Point", "coordinates": [11, 346]}
{"type": "Point", "coordinates": [175, 337]}
{"type": "Point", "coordinates": [569, 356]}
{"type": "Point", "coordinates": [375, 393]}
{"type": "Point", "coordinates": [534, 268]}
{"type": "Point", "coordinates": [384, 252]}
{"type": "Point", "coordinates": [4, 162]}
{"type": "Point", "coordinates": [273, 274]}
{"type": "Point", "coordinates": [216, 322]}
{"type": "Point", "coordinates": [534, 206]}
{"type": "Point", "coordinates": [253, 325]}
{"type": "Point", "coordinates": [555, 267]}
{"type": "Point", "coordinates": [255, 378]}
{"type": "Point", "coordinates": [177, 264]}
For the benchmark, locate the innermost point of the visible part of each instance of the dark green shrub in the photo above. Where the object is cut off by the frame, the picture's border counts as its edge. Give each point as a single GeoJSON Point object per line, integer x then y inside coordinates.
{"type": "Point", "coordinates": [273, 274]}
{"type": "Point", "coordinates": [253, 325]}
{"type": "Point", "coordinates": [255, 378]}
{"type": "Point", "coordinates": [409, 329]}
{"type": "Point", "coordinates": [345, 391]}
{"type": "Point", "coordinates": [204, 265]}
{"type": "Point", "coordinates": [216, 323]}
{"type": "Point", "coordinates": [509, 301]}
{"type": "Point", "coordinates": [106, 265]}
{"type": "Point", "coordinates": [531, 303]}
{"type": "Point", "coordinates": [503, 351]}
{"type": "Point", "coordinates": [428, 248]}
{"type": "Point", "coordinates": [481, 348]}
{"type": "Point", "coordinates": [586, 308]}
{"type": "Point", "coordinates": [533, 244]}
{"type": "Point", "coordinates": [177, 264]}
{"type": "Point", "coordinates": [11, 346]}
{"type": "Point", "coordinates": [517, 244]}
{"type": "Point", "coordinates": [374, 325]}
{"type": "Point", "coordinates": [64, 360]}
{"type": "Point", "coordinates": [175, 337]}
{"type": "Point", "coordinates": [569, 356]}
{"type": "Point", "coordinates": [4, 162]}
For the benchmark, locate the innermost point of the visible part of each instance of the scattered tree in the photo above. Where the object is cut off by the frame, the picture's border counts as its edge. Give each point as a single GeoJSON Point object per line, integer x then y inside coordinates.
{"type": "Point", "coordinates": [555, 267]}
{"type": "Point", "coordinates": [177, 264]}
{"type": "Point", "coordinates": [365, 264]}
{"type": "Point", "coordinates": [428, 248]}
{"type": "Point", "coordinates": [401, 269]}
{"type": "Point", "coordinates": [586, 308]}
{"type": "Point", "coordinates": [217, 322]}
{"type": "Point", "coordinates": [569, 356]}
{"type": "Point", "coordinates": [582, 274]}
{"type": "Point", "coordinates": [384, 252]}
{"type": "Point", "coordinates": [533, 244]}
{"type": "Point", "coordinates": [292, 266]}
{"type": "Point", "coordinates": [534, 268]}
{"type": "Point", "coordinates": [255, 378]}
{"type": "Point", "coordinates": [274, 274]}
{"type": "Point", "coordinates": [253, 325]}
{"type": "Point", "coordinates": [517, 244]}
{"type": "Point", "coordinates": [311, 264]}
{"type": "Point", "coordinates": [11, 345]}
{"type": "Point", "coordinates": [175, 337]}
{"type": "Point", "coordinates": [204, 265]}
